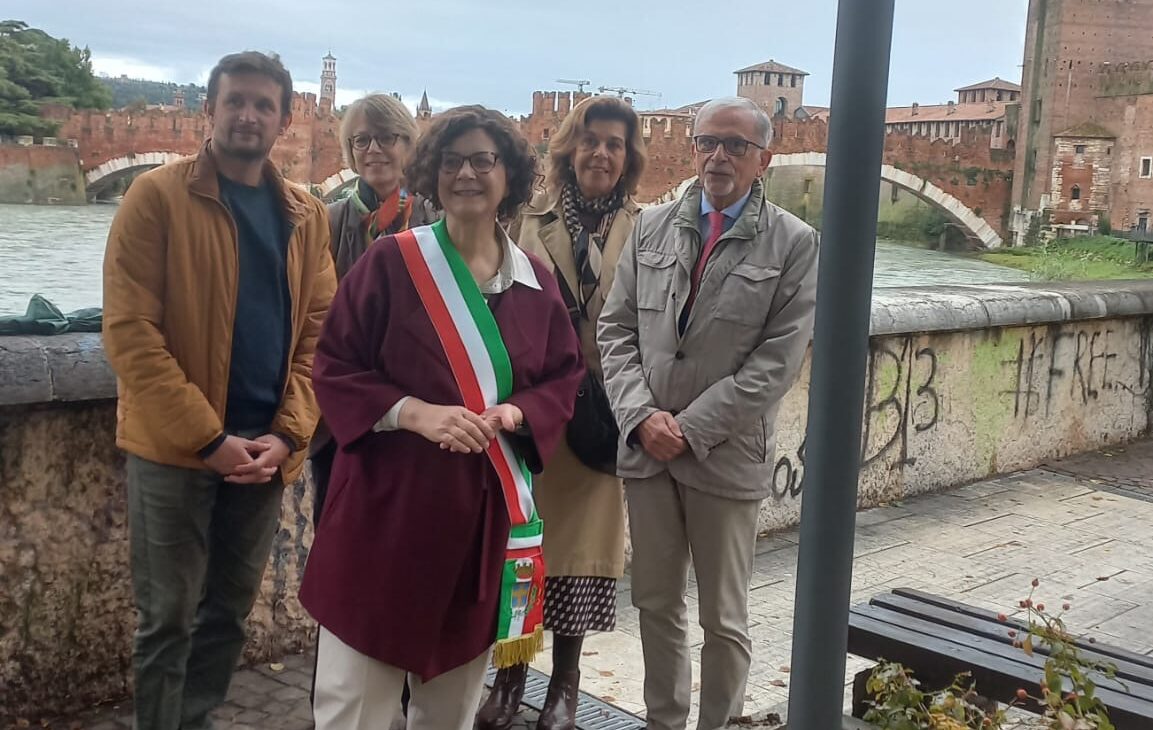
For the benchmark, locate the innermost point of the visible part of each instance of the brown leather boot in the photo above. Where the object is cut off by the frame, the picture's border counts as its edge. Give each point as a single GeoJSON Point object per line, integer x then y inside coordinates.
{"type": "Point", "coordinates": [560, 706]}
{"type": "Point", "coordinates": [503, 703]}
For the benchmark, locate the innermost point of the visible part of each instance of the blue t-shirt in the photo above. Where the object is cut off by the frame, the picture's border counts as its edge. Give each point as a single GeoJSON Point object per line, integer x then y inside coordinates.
{"type": "Point", "coordinates": [261, 331]}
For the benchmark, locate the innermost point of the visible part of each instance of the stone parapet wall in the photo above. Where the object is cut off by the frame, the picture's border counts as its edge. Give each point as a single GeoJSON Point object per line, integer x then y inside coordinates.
{"type": "Point", "coordinates": [963, 383]}
{"type": "Point", "coordinates": [66, 610]}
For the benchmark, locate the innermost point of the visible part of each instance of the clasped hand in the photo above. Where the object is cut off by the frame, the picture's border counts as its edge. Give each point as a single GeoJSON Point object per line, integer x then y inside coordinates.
{"type": "Point", "coordinates": [458, 429]}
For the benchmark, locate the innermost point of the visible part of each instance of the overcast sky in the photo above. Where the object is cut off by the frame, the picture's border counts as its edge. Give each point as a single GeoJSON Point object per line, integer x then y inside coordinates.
{"type": "Point", "coordinates": [497, 52]}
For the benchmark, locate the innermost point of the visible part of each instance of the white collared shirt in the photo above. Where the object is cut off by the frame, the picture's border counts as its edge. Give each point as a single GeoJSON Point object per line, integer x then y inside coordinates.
{"type": "Point", "coordinates": [515, 268]}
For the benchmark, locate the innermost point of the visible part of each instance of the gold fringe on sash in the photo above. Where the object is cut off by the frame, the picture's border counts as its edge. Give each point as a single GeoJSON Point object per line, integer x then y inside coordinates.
{"type": "Point", "coordinates": [521, 650]}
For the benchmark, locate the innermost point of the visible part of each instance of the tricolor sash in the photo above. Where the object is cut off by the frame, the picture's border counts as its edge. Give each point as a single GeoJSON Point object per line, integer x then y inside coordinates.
{"type": "Point", "coordinates": [480, 365]}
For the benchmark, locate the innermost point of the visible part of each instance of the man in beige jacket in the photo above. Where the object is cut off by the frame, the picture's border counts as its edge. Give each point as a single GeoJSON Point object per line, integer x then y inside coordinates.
{"type": "Point", "coordinates": [702, 335]}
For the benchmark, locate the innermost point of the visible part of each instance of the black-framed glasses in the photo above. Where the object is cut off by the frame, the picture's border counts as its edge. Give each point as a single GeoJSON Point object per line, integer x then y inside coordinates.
{"type": "Point", "coordinates": [364, 141]}
{"type": "Point", "coordinates": [480, 162]}
{"type": "Point", "coordinates": [735, 146]}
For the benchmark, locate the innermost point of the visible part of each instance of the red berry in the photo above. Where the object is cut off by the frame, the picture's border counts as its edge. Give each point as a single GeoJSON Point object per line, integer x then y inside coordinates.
{"type": "Point", "coordinates": [1002, 617]}
{"type": "Point", "coordinates": [1040, 606]}
{"type": "Point", "coordinates": [1022, 694]}
{"type": "Point", "coordinates": [1036, 582]}
{"type": "Point", "coordinates": [1066, 606]}
{"type": "Point", "coordinates": [1012, 634]}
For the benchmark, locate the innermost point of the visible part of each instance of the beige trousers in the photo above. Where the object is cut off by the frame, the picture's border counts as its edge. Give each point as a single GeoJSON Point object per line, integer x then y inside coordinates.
{"type": "Point", "coordinates": [670, 525]}
{"type": "Point", "coordinates": [356, 692]}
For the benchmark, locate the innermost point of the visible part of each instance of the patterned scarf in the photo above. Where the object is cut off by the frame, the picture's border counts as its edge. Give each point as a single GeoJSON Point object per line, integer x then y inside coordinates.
{"type": "Point", "coordinates": [382, 217]}
{"type": "Point", "coordinates": [588, 246]}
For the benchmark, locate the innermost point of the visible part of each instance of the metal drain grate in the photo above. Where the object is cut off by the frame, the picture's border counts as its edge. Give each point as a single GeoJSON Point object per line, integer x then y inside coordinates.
{"type": "Point", "coordinates": [592, 713]}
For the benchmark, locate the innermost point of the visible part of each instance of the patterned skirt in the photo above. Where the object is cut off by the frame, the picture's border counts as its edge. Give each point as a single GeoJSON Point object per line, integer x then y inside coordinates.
{"type": "Point", "coordinates": [577, 604]}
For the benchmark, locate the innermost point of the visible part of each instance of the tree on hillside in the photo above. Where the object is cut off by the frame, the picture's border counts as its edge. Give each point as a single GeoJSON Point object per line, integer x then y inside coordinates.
{"type": "Point", "coordinates": [36, 69]}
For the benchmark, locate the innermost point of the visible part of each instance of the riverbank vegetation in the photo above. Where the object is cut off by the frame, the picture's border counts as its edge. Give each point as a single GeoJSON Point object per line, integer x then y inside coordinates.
{"type": "Point", "coordinates": [1073, 259]}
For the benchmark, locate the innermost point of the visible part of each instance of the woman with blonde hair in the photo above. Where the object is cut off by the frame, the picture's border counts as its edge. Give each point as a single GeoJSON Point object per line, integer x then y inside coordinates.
{"type": "Point", "coordinates": [578, 226]}
{"type": "Point", "coordinates": [377, 136]}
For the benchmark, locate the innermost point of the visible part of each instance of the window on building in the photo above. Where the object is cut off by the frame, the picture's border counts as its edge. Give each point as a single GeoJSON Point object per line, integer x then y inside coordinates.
{"type": "Point", "coordinates": [1079, 149]}
{"type": "Point", "coordinates": [1147, 167]}
{"type": "Point", "coordinates": [1143, 222]}
{"type": "Point", "coordinates": [781, 107]}
{"type": "Point", "coordinates": [808, 185]}
{"type": "Point", "coordinates": [768, 79]}
{"type": "Point", "coordinates": [794, 80]}
{"type": "Point", "coordinates": [544, 135]}
{"type": "Point", "coordinates": [1075, 193]}
{"type": "Point", "coordinates": [1000, 96]}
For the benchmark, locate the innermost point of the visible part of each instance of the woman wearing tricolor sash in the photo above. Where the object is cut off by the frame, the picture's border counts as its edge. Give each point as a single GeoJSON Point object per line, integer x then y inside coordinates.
{"type": "Point", "coordinates": [446, 370]}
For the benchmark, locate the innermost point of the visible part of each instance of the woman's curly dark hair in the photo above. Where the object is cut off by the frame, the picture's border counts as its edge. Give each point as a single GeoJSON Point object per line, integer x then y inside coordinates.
{"type": "Point", "coordinates": [423, 170]}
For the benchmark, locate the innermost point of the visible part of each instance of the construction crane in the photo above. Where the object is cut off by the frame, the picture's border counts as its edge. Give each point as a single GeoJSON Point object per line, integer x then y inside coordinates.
{"type": "Point", "coordinates": [580, 84]}
{"type": "Point", "coordinates": [620, 91]}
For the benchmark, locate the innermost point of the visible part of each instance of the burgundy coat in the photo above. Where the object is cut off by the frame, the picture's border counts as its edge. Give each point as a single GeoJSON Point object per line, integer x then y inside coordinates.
{"type": "Point", "coordinates": [408, 554]}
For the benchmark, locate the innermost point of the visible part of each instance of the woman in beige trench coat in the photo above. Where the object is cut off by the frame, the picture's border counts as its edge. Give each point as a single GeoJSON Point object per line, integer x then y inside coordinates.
{"type": "Point", "coordinates": [578, 225]}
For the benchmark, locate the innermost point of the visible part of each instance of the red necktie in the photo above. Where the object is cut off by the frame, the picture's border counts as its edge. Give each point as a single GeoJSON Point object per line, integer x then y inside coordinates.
{"type": "Point", "coordinates": [716, 228]}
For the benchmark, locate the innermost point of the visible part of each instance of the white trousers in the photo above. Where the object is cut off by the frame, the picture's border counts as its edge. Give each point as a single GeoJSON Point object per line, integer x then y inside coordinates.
{"type": "Point", "coordinates": [356, 692]}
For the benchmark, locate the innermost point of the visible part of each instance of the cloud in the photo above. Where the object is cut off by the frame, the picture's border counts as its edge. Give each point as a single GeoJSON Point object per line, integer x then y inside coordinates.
{"type": "Point", "coordinates": [132, 68]}
{"type": "Point", "coordinates": [344, 96]}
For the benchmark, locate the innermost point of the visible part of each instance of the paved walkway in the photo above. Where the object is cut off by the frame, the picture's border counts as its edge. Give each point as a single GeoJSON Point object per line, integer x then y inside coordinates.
{"type": "Point", "coordinates": [1083, 526]}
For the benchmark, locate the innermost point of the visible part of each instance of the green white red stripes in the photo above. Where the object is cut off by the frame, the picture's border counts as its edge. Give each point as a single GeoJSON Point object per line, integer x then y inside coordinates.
{"type": "Point", "coordinates": [472, 342]}
{"type": "Point", "coordinates": [480, 364]}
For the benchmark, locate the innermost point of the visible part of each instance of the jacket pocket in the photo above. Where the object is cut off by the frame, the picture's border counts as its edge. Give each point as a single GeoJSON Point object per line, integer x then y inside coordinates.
{"type": "Point", "coordinates": [654, 279]}
{"type": "Point", "coordinates": [747, 294]}
{"type": "Point", "coordinates": [753, 442]}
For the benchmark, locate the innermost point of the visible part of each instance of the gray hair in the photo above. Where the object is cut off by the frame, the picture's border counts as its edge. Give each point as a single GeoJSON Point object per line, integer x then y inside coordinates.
{"type": "Point", "coordinates": [763, 122]}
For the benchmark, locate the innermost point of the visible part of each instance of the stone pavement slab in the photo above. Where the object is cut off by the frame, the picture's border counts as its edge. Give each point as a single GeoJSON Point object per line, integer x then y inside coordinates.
{"type": "Point", "coordinates": [1088, 543]}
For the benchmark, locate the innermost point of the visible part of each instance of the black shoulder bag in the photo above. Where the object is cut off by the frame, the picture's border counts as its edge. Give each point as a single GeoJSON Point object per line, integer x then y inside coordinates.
{"type": "Point", "coordinates": [592, 434]}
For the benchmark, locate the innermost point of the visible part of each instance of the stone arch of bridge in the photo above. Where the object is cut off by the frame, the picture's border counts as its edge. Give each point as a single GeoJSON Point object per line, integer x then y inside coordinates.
{"type": "Point", "coordinates": [334, 185]}
{"type": "Point", "coordinates": [100, 178]}
{"type": "Point", "coordinates": [973, 225]}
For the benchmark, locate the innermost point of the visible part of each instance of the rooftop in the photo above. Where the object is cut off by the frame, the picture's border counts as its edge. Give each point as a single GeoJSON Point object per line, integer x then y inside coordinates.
{"type": "Point", "coordinates": [968, 112]}
{"type": "Point", "coordinates": [1087, 129]}
{"type": "Point", "coordinates": [994, 83]}
{"type": "Point", "coordinates": [773, 67]}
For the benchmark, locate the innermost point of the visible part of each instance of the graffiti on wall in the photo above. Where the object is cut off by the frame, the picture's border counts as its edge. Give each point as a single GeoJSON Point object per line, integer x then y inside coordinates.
{"type": "Point", "coordinates": [1038, 377]}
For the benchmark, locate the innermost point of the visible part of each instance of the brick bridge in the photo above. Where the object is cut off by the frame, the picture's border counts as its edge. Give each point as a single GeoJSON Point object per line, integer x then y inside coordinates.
{"type": "Point", "coordinates": [968, 180]}
{"type": "Point", "coordinates": [118, 144]}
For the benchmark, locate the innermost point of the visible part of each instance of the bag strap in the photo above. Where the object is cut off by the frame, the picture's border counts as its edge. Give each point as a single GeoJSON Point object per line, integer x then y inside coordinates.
{"type": "Point", "coordinates": [574, 309]}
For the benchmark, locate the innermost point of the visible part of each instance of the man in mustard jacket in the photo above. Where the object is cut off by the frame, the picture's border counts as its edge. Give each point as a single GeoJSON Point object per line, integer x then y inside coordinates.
{"type": "Point", "coordinates": [217, 277]}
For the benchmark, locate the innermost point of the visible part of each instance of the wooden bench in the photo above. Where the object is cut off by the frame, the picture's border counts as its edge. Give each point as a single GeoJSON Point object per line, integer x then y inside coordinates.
{"type": "Point", "coordinates": [938, 638]}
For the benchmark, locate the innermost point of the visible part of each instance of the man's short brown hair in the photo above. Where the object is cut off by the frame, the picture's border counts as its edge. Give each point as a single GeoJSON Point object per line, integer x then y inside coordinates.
{"type": "Point", "coordinates": [423, 171]}
{"type": "Point", "coordinates": [253, 62]}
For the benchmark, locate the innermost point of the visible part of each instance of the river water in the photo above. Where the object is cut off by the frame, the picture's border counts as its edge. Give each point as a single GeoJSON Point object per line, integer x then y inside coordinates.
{"type": "Point", "coordinates": [58, 251]}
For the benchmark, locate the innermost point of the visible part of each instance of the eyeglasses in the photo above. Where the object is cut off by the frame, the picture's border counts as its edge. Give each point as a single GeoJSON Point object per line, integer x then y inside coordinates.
{"type": "Point", "coordinates": [480, 162]}
{"type": "Point", "coordinates": [735, 146]}
{"type": "Point", "coordinates": [364, 141]}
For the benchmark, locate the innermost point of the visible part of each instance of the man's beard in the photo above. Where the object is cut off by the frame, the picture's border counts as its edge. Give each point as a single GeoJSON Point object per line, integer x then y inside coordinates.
{"type": "Point", "coordinates": [245, 153]}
